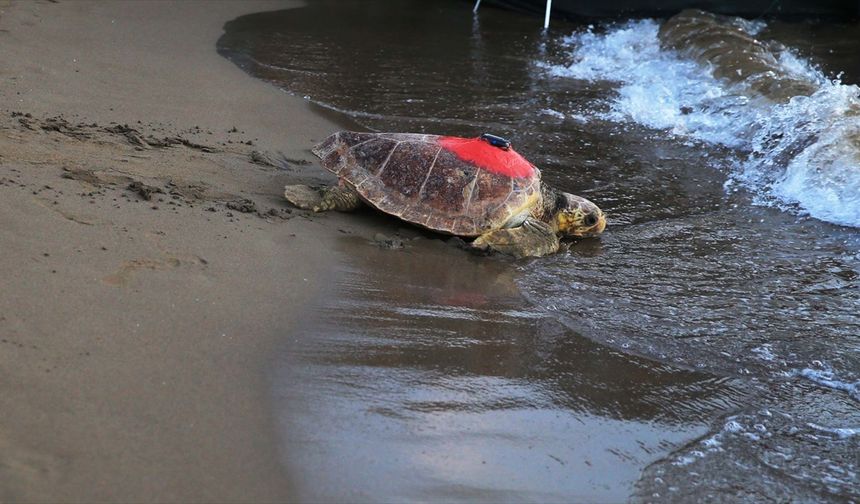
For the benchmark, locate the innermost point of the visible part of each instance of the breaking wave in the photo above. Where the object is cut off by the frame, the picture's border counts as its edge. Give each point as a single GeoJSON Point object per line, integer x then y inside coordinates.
{"type": "Point", "coordinates": [800, 154]}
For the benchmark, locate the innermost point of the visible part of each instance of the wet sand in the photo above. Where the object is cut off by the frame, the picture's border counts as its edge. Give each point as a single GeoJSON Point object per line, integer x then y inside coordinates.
{"type": "Point", "coordinates": [149, 264]}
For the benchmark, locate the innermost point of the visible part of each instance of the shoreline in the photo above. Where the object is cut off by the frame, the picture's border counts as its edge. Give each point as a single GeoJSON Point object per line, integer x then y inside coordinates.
{"type": "Point", "coordinates": [150, 264]}
{"type": "Point", "coordinates": [171, 330]}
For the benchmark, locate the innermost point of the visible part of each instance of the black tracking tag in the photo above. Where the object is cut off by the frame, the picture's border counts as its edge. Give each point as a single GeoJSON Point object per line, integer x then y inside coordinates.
{"type": "Point", "coordinates": [496, 141]}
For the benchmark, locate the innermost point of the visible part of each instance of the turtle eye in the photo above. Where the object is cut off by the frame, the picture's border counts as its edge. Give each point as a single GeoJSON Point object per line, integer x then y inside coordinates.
{"type": "Point", "coordinates": [590, 220]}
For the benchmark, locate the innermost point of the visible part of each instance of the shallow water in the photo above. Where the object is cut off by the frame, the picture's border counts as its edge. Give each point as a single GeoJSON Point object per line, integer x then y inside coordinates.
{"type": "Point", "coordinates": [433, 381]}
{"type": "Point", "coordinates": [722, 257]}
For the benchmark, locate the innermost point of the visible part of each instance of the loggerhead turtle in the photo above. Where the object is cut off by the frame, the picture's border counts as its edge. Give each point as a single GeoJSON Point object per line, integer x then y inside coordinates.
{"type": "Point", "coordinates": [468, 187]}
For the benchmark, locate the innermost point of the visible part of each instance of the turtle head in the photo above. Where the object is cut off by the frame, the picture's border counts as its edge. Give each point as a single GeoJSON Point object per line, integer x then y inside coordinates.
{"type": "Point", "coordinates": [576, 216]}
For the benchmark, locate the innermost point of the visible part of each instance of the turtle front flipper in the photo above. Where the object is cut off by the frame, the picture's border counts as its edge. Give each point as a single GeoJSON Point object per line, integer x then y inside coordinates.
{"type": "Point", "coordinates": [532, 239]}
{"type": "Point", "coordinates": [342, 199]}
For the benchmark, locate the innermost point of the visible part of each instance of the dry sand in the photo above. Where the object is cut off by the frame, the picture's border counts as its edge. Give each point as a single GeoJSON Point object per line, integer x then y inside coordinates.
{"type": "Point", "coordinates": [148, 264]}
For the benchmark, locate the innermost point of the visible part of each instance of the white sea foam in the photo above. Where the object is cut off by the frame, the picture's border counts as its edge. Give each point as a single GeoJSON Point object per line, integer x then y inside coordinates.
{"type": "Point", "coordinates": [553, 113]}
{"type": "Point", "coordinates": [804, 154]}
{"type": "Point", "coordinates": [839, 432]}
{"type": "Point", "coordinates": [827, 378]}
{"type": "Point", "coordinates": [764, 352]}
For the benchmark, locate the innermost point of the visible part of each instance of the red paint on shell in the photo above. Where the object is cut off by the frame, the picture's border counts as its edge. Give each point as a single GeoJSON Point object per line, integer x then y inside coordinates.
{"type": "Point", "coordinates": [487, 157]}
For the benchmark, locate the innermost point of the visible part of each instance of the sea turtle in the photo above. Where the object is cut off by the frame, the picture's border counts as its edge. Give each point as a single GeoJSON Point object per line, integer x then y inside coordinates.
{"type": "Point", "coordinates": [470, 187]}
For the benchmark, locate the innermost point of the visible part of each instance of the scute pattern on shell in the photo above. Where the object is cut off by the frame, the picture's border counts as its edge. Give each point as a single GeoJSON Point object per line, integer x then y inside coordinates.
{"type": "Point", "coordinates": [412, 177]}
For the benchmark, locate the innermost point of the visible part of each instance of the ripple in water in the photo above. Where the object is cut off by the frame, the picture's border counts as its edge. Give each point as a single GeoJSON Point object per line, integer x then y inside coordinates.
{"type": "Point", "coordinates": [703, 293]}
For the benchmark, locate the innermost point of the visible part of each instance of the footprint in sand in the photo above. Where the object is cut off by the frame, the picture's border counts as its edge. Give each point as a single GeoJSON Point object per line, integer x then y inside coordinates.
{"type": "Point", "coordinates": [78, 219]}
{"type": "Point", "coordinates": [25, 473]}
{"type": "Point", "coordinates": [128, 269]}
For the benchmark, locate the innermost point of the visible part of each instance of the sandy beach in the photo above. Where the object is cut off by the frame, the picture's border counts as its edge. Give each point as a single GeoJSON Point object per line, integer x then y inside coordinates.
{"type": "Point", "coordinates": [149, 263]}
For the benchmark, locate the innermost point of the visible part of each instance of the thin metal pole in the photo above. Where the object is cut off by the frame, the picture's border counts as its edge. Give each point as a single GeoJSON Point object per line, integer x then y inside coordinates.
{"type": "Point", "coordinates": [546, 17]}
{"type": "Point", "coordinates": [477, 4]}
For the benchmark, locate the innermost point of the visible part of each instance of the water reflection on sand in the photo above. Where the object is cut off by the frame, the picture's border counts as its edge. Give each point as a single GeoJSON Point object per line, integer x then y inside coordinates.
{"type": "Point", "coordinates": [451, 388]}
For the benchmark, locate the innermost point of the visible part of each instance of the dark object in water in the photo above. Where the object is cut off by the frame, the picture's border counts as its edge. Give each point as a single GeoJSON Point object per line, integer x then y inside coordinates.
{"type": "Point", "coordinates": [574, 9]}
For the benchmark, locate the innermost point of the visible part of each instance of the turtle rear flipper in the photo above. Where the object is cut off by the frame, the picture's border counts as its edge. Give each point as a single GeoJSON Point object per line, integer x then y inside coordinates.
{"type": "Point", "coordinates": [342, 199]}
{"type": "Point", "coordinates": [532, 239]}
